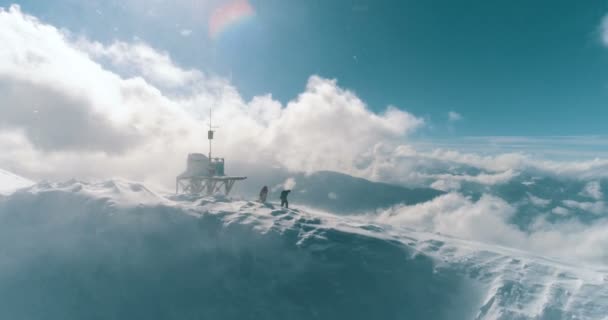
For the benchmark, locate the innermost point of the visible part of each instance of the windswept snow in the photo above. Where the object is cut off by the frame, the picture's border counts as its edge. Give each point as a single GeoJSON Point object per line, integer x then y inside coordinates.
{"type": "Point", "coordinates": [9, 182]}
{"type": "Point", "coordinates": [117, 250]}
{"type": "Point", "coordinates": [118, 191]}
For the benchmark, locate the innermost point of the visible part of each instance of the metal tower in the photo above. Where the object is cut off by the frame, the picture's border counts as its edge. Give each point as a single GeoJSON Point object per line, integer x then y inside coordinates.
{"type": "Point", "coordinates": [205, 174]}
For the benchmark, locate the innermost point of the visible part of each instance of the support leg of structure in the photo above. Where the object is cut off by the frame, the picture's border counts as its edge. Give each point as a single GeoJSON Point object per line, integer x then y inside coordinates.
{"type": "Point", "coordinates": [211, 186]}
{"type": "Point", "coordinates": [218, 187]}
{"type": "Point", "coordinates": [228, 186]}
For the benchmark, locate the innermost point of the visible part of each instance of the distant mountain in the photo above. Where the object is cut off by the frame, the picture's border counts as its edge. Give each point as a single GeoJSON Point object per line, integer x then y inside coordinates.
{"type": "Point", "coordinates": [341, 193]}
{"type": "Point", "coordinates": [335, 192]}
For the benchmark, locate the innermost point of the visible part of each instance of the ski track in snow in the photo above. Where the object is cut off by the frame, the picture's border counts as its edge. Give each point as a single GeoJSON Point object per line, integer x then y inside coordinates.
{"type": "Point", "coordinates": [512, 284]}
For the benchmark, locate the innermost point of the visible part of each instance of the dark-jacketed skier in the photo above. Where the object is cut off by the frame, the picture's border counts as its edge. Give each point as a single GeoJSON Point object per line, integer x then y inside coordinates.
{"type": "Point", "coordinates": [263, 194]}
{"type": "Point", "coordinates": [284, 202]}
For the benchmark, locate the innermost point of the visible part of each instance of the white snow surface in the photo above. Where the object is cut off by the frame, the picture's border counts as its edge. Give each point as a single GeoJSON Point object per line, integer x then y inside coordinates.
{"type": "Point", "coordinates": [9, 182]}
{"type": "Point", "coordinates": [508, 283]}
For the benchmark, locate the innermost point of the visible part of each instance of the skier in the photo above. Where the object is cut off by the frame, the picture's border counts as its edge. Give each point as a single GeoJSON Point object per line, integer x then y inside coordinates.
{"type": "Point", "coordinates": [263, 194]}
{"type": "Point", "coordinates": [284, 194]}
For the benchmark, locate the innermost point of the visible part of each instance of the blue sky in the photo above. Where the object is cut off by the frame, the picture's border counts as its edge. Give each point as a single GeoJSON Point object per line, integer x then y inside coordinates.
{"type": "Point", "coordinates": [510, 68]}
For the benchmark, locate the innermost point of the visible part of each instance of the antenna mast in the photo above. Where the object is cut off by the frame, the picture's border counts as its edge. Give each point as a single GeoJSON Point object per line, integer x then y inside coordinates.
{"type": "Point", "coordinates": [210, 133]}
{"type": "Point", "coordinates": [205, 175]}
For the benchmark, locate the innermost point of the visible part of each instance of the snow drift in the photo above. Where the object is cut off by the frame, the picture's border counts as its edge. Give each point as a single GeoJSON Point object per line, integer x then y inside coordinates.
{"type": "Point", "coordinates": [116, 250]}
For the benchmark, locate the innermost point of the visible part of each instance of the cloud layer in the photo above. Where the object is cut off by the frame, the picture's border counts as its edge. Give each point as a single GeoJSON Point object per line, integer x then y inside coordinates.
{"type": "Point", "coordinates": [131, 111]}
{"type": "Point", "coordinates": [115, 106]}
{"type": "Point", "coordinates": [489, 220]}
{"type": "Point", "coordinates": [77, 107]}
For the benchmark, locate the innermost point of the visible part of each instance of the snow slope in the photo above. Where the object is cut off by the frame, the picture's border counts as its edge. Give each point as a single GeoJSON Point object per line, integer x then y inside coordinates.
{"type": "Point", "coordinates": [10, 182]}
{"type": "Point", "coordinates": [116, 250]}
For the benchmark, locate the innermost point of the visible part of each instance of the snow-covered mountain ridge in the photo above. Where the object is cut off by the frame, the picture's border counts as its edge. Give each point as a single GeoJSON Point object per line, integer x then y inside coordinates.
{"type": "Point", "coordinates": [10, 182]}
{"type": "Point", "coordinates": [116, 249]}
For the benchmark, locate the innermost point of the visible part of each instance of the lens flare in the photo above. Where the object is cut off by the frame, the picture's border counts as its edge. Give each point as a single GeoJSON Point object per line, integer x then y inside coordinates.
{"type": "Point", "coordinates": [229, 15]}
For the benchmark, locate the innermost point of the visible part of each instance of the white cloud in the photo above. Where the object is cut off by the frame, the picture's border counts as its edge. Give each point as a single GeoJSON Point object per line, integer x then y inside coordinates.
{"type": "Point", "coordinates": [141, 59]}
{"type": "Point", "coordinates": [593, 189]}
{"type": "Point", "coordinates": [332, 195]}
{"type": "Point", "coordinates": [330, 125]}
{"type": "Point", "coordinates": [589, 169]}
{"type": "Point", "coordinates": [446, 185]}
{"type": "Point", "coordinates": [494, 163]}
{"type": "Point", "coordinates": [537, 201]}
{"type": "Point", "coordinates": [488, 220]}
{"type": "Point", "coordinates": [185, 32]}
{"type": "Point", "coordinates": [482, 178]}
{"type": "Point", "coordinates": [416, 165]}
{"type": "Point", "coordinates": [592, 207]}
{"type": "Point", "coordinates": [560, 211]}
{"type": "Point", "coordinates": [454, 116]}
{"type": "Point", "coordinates": [129, 119]}
{"type": "Point", "coordinates": [457, 215]}
{"type": "Point", "coordinates": [289, 184]}
{"type": "Point", "coordinates": [53, 119]}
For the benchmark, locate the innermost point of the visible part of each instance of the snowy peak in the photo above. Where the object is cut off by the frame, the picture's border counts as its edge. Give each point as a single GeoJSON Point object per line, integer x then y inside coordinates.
{"type": "Point", "coordinates": [10, 182]}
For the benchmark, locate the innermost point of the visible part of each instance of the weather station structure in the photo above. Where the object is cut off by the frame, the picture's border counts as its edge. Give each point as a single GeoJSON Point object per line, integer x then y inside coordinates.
{"type": "Point", "coordinates": [205, 174]}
